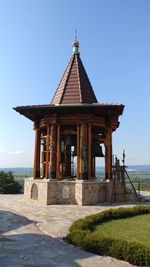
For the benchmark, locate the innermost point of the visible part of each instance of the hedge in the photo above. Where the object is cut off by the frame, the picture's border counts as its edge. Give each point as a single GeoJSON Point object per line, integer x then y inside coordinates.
{"type": "Point", "coordinates": [81, 235]}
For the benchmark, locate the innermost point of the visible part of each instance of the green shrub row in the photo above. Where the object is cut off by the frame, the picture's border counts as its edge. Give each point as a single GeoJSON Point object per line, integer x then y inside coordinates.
{"type": "Point", "coordinates": [80, 234]}
{"type": "Point", "coordinates": [89, 222]}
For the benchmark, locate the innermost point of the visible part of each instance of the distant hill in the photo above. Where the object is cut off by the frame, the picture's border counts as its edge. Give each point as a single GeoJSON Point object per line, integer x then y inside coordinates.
{"type": "Point", "coordinates": [137, 168]}
{"type": "Point", "coordinates": [19, 170]}
{"type": "Point", "coordinates": [29, 171]}
{"type": "Point", "coordinates": [138, 173]}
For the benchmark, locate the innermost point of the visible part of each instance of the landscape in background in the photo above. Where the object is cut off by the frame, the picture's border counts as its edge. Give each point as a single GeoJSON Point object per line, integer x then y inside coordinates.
{"type": "Point", "coordinates": [138, 174]}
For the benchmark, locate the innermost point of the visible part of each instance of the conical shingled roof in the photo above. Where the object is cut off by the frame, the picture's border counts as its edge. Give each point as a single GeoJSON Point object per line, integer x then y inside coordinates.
{"type": "Point", "coordinates": [74, 86]}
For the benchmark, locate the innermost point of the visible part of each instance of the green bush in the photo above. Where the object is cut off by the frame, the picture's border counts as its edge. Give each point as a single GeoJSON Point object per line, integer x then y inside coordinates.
{"type": "Point", "coordinates": [80, 234]}
{"type": "Point", "coordinates": [8, 185]}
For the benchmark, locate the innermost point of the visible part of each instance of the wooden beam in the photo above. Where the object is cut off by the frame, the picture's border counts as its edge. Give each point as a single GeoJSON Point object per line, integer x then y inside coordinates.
{"type": "Point", "coordinates": [72, 120]}
{"type": "Point", "coordinates": [36, 170]}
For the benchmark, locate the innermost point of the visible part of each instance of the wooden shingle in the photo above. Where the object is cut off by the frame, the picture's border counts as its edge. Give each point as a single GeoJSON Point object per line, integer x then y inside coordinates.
{"type": "Point", "coordinates": [74, 86]}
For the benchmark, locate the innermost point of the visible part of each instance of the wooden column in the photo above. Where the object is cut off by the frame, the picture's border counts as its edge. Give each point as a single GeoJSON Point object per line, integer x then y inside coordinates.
{"type": "Point", "coordinates": [89, 153]}
{"type": "Point", "coordinates": [43, 156]}
{"type": "Point", "coordinates": [36, 171]}
{"type": "Point", "coordinates": [53, 150]}
{"type": "Point", "coordinates": [47, 152]}
{"type": "Point", "coordinates": [58, 153]}
{"type": "Point", "coordinates": [78, 151]}
{"type": "Point", "coordinates": [108, 154]}
{"type": "Point", "coordinates": [83, 152]}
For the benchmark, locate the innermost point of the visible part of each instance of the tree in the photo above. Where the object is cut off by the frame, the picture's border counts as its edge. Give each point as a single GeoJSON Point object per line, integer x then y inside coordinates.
{"type": "Point", "coordinates": [8, 185]}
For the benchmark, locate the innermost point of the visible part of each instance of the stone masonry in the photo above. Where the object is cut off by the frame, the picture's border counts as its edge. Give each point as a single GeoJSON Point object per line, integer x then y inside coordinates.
{"type": "Point", "coordinates": [48, 192]}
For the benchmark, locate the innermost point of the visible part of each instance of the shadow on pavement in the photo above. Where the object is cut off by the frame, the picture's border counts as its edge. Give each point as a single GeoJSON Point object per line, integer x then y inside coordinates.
{"type": "Point", "coordinates": [10, 221]}
{"type": "Point", "coordinates": [23, 245]}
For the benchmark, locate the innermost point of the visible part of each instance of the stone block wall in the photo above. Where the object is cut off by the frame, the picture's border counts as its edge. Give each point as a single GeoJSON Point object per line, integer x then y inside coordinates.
{"type": "Point", "coordinates": [48, 192]}
{"type": "Point", "coordinates": [35, 191]}
{"type": "Point", "coordinates": [90, 192]}
{"type": "Point", "coordinates": [61, 192]}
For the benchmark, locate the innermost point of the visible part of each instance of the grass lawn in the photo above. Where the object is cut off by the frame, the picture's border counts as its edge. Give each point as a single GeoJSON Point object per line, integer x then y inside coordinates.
{"type": "Point", "coordinates": [136, 228]}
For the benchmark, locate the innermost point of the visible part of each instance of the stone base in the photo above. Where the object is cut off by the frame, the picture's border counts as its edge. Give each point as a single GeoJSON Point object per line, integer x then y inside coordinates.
{"type": "Point", "coordinates": [47, 192]}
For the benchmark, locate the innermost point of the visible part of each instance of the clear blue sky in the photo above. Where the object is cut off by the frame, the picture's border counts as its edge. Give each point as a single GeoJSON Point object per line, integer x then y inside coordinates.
{"type": "Point", "coordinates": [35, 46]}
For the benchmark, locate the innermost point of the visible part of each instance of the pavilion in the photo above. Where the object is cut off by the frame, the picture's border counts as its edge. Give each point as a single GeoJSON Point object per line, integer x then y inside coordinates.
{"type": "Point", "coordinates": [69, 135]}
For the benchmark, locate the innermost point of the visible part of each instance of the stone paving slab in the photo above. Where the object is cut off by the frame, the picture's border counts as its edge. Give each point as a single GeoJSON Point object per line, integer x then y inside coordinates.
{"type": "Point", "coordinates": [23, 242]}
{"type": "Point", "coordinates": [54, 220]}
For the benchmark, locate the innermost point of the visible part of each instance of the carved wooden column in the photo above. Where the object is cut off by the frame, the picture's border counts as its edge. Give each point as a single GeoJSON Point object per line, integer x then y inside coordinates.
{"type": "Point", "coordinates": [83, 152]}
{"type": "Point", "coordinates": [53, 145]}
{"type": "Point", "coordinates": [89, 152]}
{"type": "Point", "coordinates": [36, 171]}
{"type": "Point", "coordinates": [108, 154]}
{"type": "Point", "coordinates": [47, 152]}
{"type": "Point", "coordinates": [58, 153]}
{"type": "Point", "coordinates": [78, 151]}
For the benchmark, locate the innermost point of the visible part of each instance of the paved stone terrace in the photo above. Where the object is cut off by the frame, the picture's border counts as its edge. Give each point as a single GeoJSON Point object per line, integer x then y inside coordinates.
{"type": "Point", "coordinates": [30, 236]}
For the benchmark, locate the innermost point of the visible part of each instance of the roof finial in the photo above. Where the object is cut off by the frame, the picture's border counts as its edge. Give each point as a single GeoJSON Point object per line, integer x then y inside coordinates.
{"type": "Point", "coordinates": [75, 44]}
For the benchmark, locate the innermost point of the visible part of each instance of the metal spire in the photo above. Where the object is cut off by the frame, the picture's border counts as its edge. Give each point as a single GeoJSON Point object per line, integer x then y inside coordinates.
{"type": "Point", "coordinates": [75, 44]}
